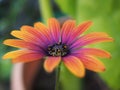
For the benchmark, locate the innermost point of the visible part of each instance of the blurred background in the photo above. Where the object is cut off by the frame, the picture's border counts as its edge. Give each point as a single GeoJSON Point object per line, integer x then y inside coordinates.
{"type": "Point", "coordinates": [105, 15]}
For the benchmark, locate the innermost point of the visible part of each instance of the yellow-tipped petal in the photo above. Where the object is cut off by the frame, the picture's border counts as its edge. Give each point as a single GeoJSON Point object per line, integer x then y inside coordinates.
{"type": "Point", "coordinates": [93, 52]}
{"type": "Point", "coordinates": [28, 57]}
{"type": "Point", "coordinates": [92, 63]}
{"type": "Point", "coordinates": [51, 63]}
{"type": "Point", "coordinates": [43, 30]}
{"type": "Point", "coordinates": [91, 38]}
{"type": "Point", "coordinates": [31, 30]}
{"type": "Point", "coordinates": [20, 44]}
{"type": "Point", "coordinates": [54, 27]}
{"type": "Point", "coordinates": [14, 54]}
{"type": "Point", "coordinates": [83, 27]}
{"type": "Point", "coordinates": [67, 30]}
{"type": "Point", "coordinates": [26, 36]}
{"type": "Point", "coordinates": [74, 65]}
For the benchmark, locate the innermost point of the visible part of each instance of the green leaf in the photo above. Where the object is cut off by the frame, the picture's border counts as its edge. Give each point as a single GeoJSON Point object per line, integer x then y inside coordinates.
{"type": "Point", "coordinates": [67, 6]}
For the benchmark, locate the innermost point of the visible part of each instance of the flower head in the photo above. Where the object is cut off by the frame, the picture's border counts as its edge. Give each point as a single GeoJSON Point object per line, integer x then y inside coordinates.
{"type": "Point", "coordinates": [57, 44]}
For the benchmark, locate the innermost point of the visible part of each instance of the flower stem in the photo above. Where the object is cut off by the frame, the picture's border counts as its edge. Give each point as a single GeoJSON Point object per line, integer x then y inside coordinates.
{"type": "Point", "coordinates": [45, 9]}
{"type": "Point", "coordinates": [57, 77]}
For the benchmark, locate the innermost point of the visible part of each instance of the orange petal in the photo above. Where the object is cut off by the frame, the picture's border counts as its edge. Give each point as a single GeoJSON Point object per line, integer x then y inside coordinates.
{"type": "Point", "coordinates": [26, 36]}
{"type": "Point", "coordinates": [54, 27]}
{"type": "Point", "coordinates": [80, 29]}
{"type": "Point", "coordinates": [20, 44]}
{"type": "Point", "coordinates": [14, 54]}
{"type": "Point", "coordinates": [27, 57]}
{"type": "Point", "coordinates": [93, 51]}
{"type": "Point", "coordinates": [74, 65]}
{"type": "Point", "coordinates": [36, 33]}
{"type": "Point", "coordinates": [83, 27]}
{"type": "Point", "coordinates": [31, 30]}
{"type": "Point", "coordinates": [97, 40]}
{"type": "Point", "coordinates": [67, 30]}
{"type": "Point", "coordinates": [51, 63]}
{"type": "Point", "coordinates": [95, 35]}
{"type": "Point", "coordinates": [41, 28]}
{"type": "Point", "coordinates": [92, 63]}
{"type": "Point", "coordinates": [91, 39]}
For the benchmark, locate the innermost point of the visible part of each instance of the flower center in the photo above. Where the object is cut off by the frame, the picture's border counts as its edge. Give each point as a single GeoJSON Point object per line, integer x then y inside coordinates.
{"type": "Point", "coordinates": [58, 49]}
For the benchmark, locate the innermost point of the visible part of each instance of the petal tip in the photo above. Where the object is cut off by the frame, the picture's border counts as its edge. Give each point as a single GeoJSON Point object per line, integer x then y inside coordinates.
{"type": "Point", "coordinates": [89, 22]}
{"type": "Point", "coordinates": [52, 18]}
{"type": "Point", "coordinates": [12, 33]}
{"type": "Point", "coordinates": [51, 63]}
{"type": "Point", "coordinates": [111, 39]}
{"type": "Point", "coordinates": [36, 23]}
{"type": "Point", "coordinates": [24, 27]}
{"type": "Point", "coordinates": [82, 75]}
{"type": "Point", "coordinates": [47, 69]}
{"type": "Point", "coordinates": [109, 56]}
{"type": "Point", "coordinates": [104, 69]}
{"type": "Point", "coordinates": [6, 41]}
{"type": "Point", "coordinates": [4, 57]}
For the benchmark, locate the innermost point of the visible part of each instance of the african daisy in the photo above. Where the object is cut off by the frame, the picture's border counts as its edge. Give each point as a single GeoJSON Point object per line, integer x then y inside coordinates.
{"type": "Point", "coordinates": [57, 44]}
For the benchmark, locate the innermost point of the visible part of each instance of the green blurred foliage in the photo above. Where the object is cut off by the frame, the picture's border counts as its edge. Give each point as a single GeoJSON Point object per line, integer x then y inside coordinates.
{"type": "Point", "coordinates": [5, 65]}
{"type": "Point", "coordinates": [14, 9]}
{"type": "Point", "coordinates": [67, 6]}
{"type": "Point", "coordinates": [105, 15]}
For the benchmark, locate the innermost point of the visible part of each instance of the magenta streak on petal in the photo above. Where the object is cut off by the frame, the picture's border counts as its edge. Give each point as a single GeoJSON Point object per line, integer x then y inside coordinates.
{"type": "Point", "coordinates": [28, 37]}
{"type": "Point", "coordinates": [55, 30]}
{"type": "Point", "coordinates": [82, 42]}
{"type": "Point", "coordinates": [80, 50]}
{"type": "Point", "coordinates": [56, 34]}
{"type": "Point", "coordinates": [45, 42]}
{"type": "Point", "coordinates": [47, 38]}
{"type": "Point", "coordinates": [41, 38]}
{"type": "Point", "coordinates": [92, 51]}
{"type": "Point", "coordinates": [67, 30]}
{"type": "Point", "coordinates": [72, 37]}
{"type": "Point", "coordinates": [44, 32]}
{"type": "Point", "coordinates": [78, 31]}
{"type": "Point", "coordinates": [28, 57]}
{"type": "Point", "coordinates": [92, 63]}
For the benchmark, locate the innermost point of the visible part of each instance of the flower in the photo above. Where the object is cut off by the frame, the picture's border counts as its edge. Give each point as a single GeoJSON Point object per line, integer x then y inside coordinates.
{"type": "Point", "coordinates": [57, 44]}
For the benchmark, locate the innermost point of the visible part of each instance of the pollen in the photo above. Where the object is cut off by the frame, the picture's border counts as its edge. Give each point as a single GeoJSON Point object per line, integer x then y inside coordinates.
{"type": "Point", "coordinates": [58, 49]}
